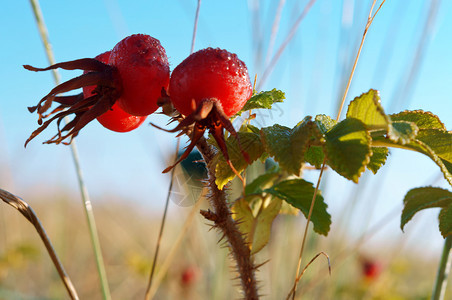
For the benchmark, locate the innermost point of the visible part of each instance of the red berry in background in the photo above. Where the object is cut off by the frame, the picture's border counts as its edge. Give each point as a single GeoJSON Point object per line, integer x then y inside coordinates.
{"type": "Point", "coordinates": [209, 87]}
{"type": "Point", "coordinates": [370, 268]}
{"type": "Point", "coordinates": [135, 77]}
{"type": "Point", "coordinates": [114, 119]}
{"type": "Point", "coordinates": [144, 70]}
{"type": "Point", "coordinates": [190, 275]}
{"type": "Point", "coordinates": [210, 74]}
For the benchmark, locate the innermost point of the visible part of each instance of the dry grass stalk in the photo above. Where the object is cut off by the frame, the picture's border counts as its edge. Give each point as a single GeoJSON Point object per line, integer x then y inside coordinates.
{"type": "Point", "coordinates": [31, 216]}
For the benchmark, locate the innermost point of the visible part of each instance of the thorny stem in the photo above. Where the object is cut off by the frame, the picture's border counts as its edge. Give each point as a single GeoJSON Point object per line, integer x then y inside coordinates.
{"type": "Point", "coordinates": [83, 190]}
{"type": "Point", "coordinates": [222, 218]}
{"type": "Point", "coordinates": [445, 264]}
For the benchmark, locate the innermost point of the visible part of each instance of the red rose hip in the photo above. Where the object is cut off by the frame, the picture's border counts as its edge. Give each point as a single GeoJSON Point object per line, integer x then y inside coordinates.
{"type": "Point", "coordinates": [144, 70]}
{"type": "Point", "coordinates": [210, 74]}
{"type": "Point", "coordinates": [114, 119]}
{"type": "Point", "coordinates": [208, 87]}
{"type": "Point", "coordinates": [133, 79]}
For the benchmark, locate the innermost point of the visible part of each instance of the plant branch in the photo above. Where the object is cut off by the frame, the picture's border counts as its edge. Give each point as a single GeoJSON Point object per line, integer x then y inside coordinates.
{"type": "Point", "coordinates": [31, 216]}
{"type": "Point", "coordinates": [445, 264]}
{"type": "Point", "coordinates": [222, 218]}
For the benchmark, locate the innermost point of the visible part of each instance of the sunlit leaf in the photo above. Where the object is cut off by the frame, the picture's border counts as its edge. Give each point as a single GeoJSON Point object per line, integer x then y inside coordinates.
{"type": "Point", "coordinates": [402, 132]}
{"type": "Point", "coordinates": [324, 123]}
{"type": "Point", "coordinates": [348, 148]}
{"type": "Point", "coordinates": [256, 228]}
{"type": "Point", "coordinates": [378, 158]}
{"type": "Point", "coordinates": [288, 146]}
{"type": "Point", "coordinates": [251, 143]}
{"type": "Point", "coordinates": [299, 193]}
{"type": "Point", "coordinates": [263, 100]}
{"type": "Point", "coordinates": [264, 221]}
{"type": "Point", "coordinates": [367, 108]}
{"type": "Point", "coordinates": [426, 142]}
{"type": "Point", "coordinates": [439, 141]}
{"type": "Point", "coordinates": [422, 119]}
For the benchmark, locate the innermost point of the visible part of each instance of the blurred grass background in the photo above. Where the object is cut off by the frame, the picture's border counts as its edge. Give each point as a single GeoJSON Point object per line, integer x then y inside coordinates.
{"type": "Point", "coordinates": [370, 257]}
{"type": "Point", "coordinates": [200, 269]}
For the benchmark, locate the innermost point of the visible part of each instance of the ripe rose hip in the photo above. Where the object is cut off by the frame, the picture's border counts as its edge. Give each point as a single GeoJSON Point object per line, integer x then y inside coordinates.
{"type": "Point", "coordinates": [210, 74]}
{"type": "Point", "coordinates": [114, 119]}
{"type": "Point", "coordinates": [144, 70]}
{"type": "Point", "coordinates": [136, 74]}
{"type": "Point", "coordinates": [208, 87]}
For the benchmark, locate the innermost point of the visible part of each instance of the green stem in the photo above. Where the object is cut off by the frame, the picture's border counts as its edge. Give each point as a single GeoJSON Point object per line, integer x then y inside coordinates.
{"type": "Point", "coordinates": [91, 226]}
{"type": "Point", "coordinates": [439, 289]}
{"type": "Point", "coordinates": [83, 190]}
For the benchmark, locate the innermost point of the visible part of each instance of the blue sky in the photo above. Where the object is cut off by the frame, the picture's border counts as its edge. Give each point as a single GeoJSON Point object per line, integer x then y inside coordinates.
{"type": "Point", "coordinates": [311, 72]}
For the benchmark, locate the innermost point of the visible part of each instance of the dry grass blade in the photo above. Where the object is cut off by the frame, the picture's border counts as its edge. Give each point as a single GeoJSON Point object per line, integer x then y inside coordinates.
{"type": "Point", "coordinates": [83, 189]}
{"type": "Point", "coordinates": [283, 46]}
{"type": "Point", "coordinates": [30, 215]}
{"type": "Point", "coordinates": [369, 22]}
{"type": "Point", "coordinates": [150, 293]}
{"type": "Point", "coordinates": [303, 243]}
{"type": "Point", "coordinates": [307, 266]}
{"type": "Point", "coordinates": [274, 31]}
{"type": "Point", "coordinates": [177, 242]}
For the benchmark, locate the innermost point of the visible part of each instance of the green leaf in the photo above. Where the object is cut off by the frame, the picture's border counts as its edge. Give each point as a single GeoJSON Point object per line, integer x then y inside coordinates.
{"type": "Point", "coordinates": [250, 142]}
{"type": "Point", "coordinates": [287, 209]}
{"type": "Point", "coordinates": [324, 123]}
{"type": "Point", "coordinates": [445, 221]}
{"type": "Point", "coordinates": [299, 193]}
{"type": "Point", "coordinates": [438, 139]}
{"type": "Point", "coordinates": [257, 229]}
{"type": "Point", "coordinates": [445, 166]}
{"type": "Point", "coordinates": [262, 182]}
{"type": "Point", "coordinates": [423, 119]}
{"type": "Point", "coordinates": [264, 222]}
{"type": "Point", "coordinates": [288, 146]}
{"type": "Point", "coordinates": [242, 213]}
{"type": "Point", "coordinates": [263, 100]}
{"type": "Point", "coordinates": [314, 155]}
{"type": "Point", "coordinates": [378, 158]}
{"type": "Point", "coordinates": [367, 108]}
{"type": "Point", "coordinates": [402, 132]}
{"type": "Point", "coordinates": [421, 198]}
{"type": "Point", "coordinates": [348, 148]}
